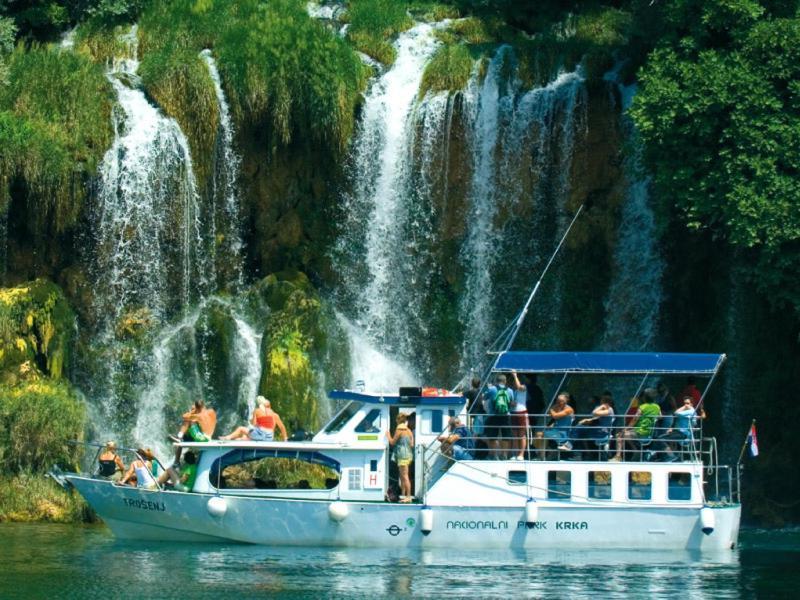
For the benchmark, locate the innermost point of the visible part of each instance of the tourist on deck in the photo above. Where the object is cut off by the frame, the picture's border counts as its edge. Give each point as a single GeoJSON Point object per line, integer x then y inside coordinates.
{"type": "Point", "coordinates": [458, 443]}
{"type": "Point", "coordinates": [181, 480]}
{"type": "Point", "coordinates": [475, 406]}
{"type": "Point", "coordinates": [262, 427]}
{"type": "Point", "coordinates": [199, 423]}
{"type": "Point", "coordinates": [691, 391]}
{"type": "Point", "coordinates": [141, 470]}
{"type": "Point", "coordinates": [681, 430]}
{"type": "Point", "coordinates": [498, 423]}
{"type": "Point", "coordinates": [519, 418]}
{"type": "Point", "coordinates": [403, 443]}
{"type": "Point", "coordinates": [643, 424]}
{"type": "Point", "coordinates": [666, 402]}
{"type": "Point", "coordinates": [598, 426]}
{"type": "Point", "coordinates": [110, 464]}
{"type": "Point", "coordinates": [535, 405]}
{"type": "Point", "coordinates": [559, 430]}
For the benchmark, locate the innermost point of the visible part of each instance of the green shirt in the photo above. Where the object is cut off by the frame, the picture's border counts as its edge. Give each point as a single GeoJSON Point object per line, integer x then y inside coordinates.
{"type": "Point", "coordinates": [647, 420]}
{"type": "Point", "coordinates": [188, 475]}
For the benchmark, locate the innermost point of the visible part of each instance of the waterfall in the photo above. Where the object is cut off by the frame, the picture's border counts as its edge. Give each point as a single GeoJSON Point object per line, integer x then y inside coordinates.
{"type": "Point", "coordinates": [149, 252]}
{"type": "Point", "coordinates": [225, 190]}
{"type": "Point", "coordinates": [379, 230]}
{"type": "Point", "coordinates": [635, 295]}
{"type": "Point", "coordinates": [522, 145]}
{"type": "Point", "coordinates": [163, 339]}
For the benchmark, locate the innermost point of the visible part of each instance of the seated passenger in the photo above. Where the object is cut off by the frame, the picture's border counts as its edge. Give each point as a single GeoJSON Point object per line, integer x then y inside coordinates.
{"type": "Point", "coordinates": [199, 423]}
{"type": "Point", "coordinates": [560, 429]}
{"type": "Point", "coordinates": [262, 429]}
{"type": "Point", "coordinates": [142, 470]}
{"type": "Point", "coordinates": [598, 426]}
{"type": "Point", "coordinates": [684, 420]}
{"type": "Point", "coordinates": [458, 443]}
{"type": "Point", "coordinates": [111, 465]}
{"type": "Point", "coordinates": [182, 480]}
{"type": "Point", "coordinates": [642, 425]}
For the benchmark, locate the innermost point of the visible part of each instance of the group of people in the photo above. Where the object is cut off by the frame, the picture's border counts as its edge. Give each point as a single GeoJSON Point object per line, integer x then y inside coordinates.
{"type": "Point", "coordinates": [197, 425]}
{"type": "Point", "coordinates": [510, 414]}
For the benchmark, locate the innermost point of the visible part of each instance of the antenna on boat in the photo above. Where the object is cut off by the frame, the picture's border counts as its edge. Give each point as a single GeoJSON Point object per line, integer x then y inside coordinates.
{"type": "Point", "coordinates": [524, 312]}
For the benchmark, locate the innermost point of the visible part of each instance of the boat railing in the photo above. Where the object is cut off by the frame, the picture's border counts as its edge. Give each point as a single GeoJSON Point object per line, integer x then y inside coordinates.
{"type": "Point", "coordinates": [90, 465]}
{"type": "Point", "coordinates": [586, 438]}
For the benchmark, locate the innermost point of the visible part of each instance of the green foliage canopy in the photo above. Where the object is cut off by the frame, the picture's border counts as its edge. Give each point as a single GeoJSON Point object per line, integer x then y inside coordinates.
{"type": "Point", "coordinates": [719, 111]}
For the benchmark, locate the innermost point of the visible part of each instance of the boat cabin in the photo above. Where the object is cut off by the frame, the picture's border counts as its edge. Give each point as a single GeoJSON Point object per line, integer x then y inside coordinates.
{"type": "Point", "coordinates": [348, 459]}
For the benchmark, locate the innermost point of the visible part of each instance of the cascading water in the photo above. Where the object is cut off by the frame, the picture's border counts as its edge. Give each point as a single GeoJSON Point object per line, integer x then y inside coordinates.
{"type": "Point", "coordinates": [523, 146]}
{"type": "Point", "coordinates": [381, 281]}
{"type": "Point", "coordinates": [224, 191]}
{"type": "Point", "coordinates": [635, 294]}
{"type": "Point", "coordinates": [156, 257]}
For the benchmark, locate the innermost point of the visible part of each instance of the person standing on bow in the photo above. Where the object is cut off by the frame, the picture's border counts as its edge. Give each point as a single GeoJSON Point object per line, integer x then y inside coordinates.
{"type": "Point", "coordinates": [403, 442]}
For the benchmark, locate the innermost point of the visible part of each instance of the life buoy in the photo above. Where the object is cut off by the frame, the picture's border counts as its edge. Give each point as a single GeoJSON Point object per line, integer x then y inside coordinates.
{"type": "Point", "coordinates": [428, 392]}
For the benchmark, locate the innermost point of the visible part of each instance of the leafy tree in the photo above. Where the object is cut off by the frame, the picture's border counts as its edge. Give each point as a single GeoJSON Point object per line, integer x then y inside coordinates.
{"type": "Point", "coordinates": [719, 111]}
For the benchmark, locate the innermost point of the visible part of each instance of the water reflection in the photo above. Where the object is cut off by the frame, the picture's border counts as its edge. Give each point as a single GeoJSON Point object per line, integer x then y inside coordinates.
{"type": "Point", "coordinates": [64, 561]}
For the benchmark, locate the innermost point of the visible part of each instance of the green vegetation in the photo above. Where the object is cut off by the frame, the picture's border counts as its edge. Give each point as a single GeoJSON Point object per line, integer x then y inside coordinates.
{"type": "Point", "coordinates": [284, 473]}
{"type": "Point", "coordinates": [36, 329]}
{"type": "Point", "coordinates": [719, 111]}
{"type": "Point", "coordinates": [54, 129]}
{"type": "Point", "coordinates": [29, 497]}
{"type": "Point", "coordinates": [38, 417]}
{"type": "Point", "coordinates": [448, 70]}
{"type": "Point", "coordinates": [373, 23]}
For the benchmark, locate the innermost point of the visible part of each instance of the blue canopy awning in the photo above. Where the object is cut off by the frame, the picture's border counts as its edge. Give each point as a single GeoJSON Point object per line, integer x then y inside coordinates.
{"type": "Point", "coordinates": [610, 362]}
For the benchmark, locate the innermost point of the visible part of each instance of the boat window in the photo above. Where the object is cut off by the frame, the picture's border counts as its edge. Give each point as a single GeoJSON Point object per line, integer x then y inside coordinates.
{"type": "Point", "coordinates": [343, 417]}
{"type": "Point", "coordinates": [600, 485]}
{"type": "Point", "coordinates": [371, 423]}
{"type": "Point", "coordinates": [517, 477]}
{"type": "Point", "coordinates": [680, 486]}
{"type": "Point", "coordinates": [271, 473]}
{"type": "Point", "coordinates": [432, 422]}
{"type": "Point", "coordinates": [559, 485]}
{"type": "Point", "coordinates": [640, 485]}
{"type": "Point", "coordinates": [353, 479]}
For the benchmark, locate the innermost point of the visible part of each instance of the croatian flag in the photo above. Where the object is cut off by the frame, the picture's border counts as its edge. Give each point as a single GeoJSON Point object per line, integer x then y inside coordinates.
{"type": "Point", "coordinates": [752, 439]}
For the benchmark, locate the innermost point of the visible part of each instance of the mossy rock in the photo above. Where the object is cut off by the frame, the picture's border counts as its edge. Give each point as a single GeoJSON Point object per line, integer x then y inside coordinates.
{"type": "Point", "coordinates": [301, 341]}
{"type": "Point", "coordinates": [448, 70]}
{"type": "Point", "coordinates": [33, 497]}
{"type": "Point", "coordinates": [37, 327]}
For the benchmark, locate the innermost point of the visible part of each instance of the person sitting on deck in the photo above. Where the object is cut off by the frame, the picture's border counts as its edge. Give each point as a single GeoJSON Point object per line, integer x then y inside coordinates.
{"type": "Point", "coordinates": [142, 470]}
{"type": "Point", "coordinates": [559, 431]}
{"type": "Point", "coordinates": [681, 430]}
{"type": "Point", "coordinates": [642, 425]}
{"type": "Point", "coordinates": [403, 442]}
{"type": "Point", "coordinates": [598, 426]}
{"type": "Point", "coordinates": [182, 480]}
{"type": "Point", "coordinates": [458, 443]}
{"type": "Point", "coordinates": [263, 424]}
{"type": "Point", "coordinates": [199, 423]}
{"type": "Point", "coordinates": [692, 391]}
{"type": "Point", "coordinates": [111, 465]}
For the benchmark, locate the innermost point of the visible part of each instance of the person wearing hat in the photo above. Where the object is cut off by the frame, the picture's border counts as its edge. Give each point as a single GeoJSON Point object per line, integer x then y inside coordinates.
{"type": "Point", "coordinates": [142, 470]}
{"type": "Point", "coordinates": [263, 424]}
{"type": "Point", "coordinates": [111, 465]}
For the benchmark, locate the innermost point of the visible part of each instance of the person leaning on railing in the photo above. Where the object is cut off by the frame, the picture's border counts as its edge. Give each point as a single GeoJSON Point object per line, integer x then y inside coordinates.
{"type": "Point", "coordinates": [458, 443]}
{"type": "Point", "coordinates": [681, 431]}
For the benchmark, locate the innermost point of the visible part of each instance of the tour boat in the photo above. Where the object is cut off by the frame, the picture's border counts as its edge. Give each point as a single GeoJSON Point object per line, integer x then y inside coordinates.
{"type": "Point", "coordinates": [334, 490]}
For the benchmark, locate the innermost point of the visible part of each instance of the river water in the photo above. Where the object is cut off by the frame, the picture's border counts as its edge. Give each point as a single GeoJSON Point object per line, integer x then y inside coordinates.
{"type": "Point", "coordinates": [44, 561]}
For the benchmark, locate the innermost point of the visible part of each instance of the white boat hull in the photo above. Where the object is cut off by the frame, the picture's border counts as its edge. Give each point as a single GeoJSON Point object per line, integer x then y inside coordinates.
{"type": "Point", "coordinates": [176, 516]}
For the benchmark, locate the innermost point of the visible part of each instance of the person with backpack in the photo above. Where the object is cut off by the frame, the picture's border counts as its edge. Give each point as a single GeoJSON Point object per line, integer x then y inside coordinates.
{"type": "Point", "coordinates": [498, 423]}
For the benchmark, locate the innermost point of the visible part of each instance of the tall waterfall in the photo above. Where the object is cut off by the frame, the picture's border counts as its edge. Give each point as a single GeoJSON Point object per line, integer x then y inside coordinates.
{"type": "Point", "coordinates": [380, 232]}
{"type": "Point", "coordinates": [635, 295]}
{"type": "Point", "coordinates": [523, 145]}
{"type": "Point", "coordinates": [163, 339]}
{"type": "Point", "coordinates": [225, 193]}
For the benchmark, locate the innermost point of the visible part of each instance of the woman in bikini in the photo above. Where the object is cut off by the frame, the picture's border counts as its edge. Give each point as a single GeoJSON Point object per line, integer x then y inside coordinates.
{"type": "Point", "coordinates": [263, 424]}
{"type": "Point", "coordinates": [403, 442]}
{"type": "Point", "coordinates": [111, 465]}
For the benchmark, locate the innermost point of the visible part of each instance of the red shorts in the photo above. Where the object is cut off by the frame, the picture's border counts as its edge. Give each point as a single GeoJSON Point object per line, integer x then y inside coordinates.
{"type": "Point", "coordinates": [519, 424]}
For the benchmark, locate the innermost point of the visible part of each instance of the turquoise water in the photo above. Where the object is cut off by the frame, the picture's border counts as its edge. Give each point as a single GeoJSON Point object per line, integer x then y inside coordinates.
{"type": "Point", "coordinates": [46, 561]}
